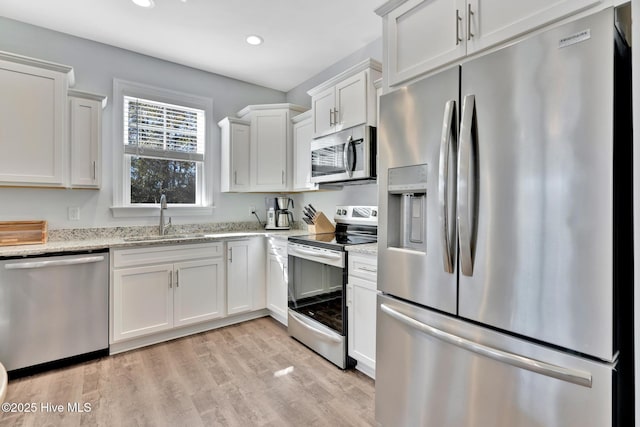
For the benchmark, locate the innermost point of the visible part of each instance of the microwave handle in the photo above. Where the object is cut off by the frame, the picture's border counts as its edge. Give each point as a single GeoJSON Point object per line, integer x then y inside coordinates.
{"type": "Point", "coordinates": [345, 157]}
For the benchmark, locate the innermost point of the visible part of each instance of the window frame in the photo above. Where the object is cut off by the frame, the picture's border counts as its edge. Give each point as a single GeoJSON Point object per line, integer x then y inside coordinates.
{"type": "Point", "coordinates": [121, 161]}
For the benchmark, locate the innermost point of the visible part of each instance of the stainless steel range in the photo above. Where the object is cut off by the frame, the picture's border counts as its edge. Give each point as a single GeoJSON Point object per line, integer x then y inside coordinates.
{"type": "Point", "coordinates": [318, 279]}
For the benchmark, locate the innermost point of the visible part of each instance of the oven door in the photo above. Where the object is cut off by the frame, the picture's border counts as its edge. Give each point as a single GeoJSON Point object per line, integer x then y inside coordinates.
{"type": "Point", "coordinates": [343, 156]}
{"type": "Point", "coordinates": [317, 306]}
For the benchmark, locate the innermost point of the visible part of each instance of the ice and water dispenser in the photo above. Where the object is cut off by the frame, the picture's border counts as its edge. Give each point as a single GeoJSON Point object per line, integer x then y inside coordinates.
{"type": "Point", "coordinates": [407, 207]}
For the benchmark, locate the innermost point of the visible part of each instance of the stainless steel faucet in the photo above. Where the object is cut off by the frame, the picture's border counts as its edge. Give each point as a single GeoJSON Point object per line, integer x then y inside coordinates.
{"type": "Point", "coordinates": [163, 205]}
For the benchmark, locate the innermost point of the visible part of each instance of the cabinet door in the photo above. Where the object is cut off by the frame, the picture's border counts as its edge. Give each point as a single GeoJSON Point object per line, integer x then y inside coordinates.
{"type": "Point", "coordinates": [323, 118]}
{"type": "Point", "coordinates": [85, 134]}
{"type": "Point", "coordinates": [493, 22]}
{"type": "Point", "coordinates": [302, 156]}
{"type": "Point", "coordinates": [361, 303]}
{"type": "Point", "coordinates": [351, 101]}
{"type": "Point", "coordinates": [240, 140]}
{"type": "Point", "coordinates": [277, 286]}
{"type": "Point", "coordinates": [32, 106]}
{"type": "Point", "coordinates": [422, 35]}
{"type": "Point", "coordinates": [238, 286]}
{"type": "Point", "coordinates": [198, 291]}
{"type": "Point", "coordinates": [269, 134]}
{"type": "Point", "coordinates": [142, 301]}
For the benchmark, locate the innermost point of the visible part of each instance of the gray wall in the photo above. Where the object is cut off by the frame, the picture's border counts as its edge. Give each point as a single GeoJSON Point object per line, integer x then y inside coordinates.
{"type": "Point", "coordinates": [95, 66]}
{"type": "Point", "coordinates": [298, 95]}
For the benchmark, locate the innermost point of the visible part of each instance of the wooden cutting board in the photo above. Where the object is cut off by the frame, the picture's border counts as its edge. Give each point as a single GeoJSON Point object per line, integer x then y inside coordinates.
{"type": "Point", "coordinates": [23, 232]}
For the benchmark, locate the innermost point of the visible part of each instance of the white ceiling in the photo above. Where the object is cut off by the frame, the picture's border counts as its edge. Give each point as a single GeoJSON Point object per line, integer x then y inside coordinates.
{"type": "Point", "coordinates": [302, 37]}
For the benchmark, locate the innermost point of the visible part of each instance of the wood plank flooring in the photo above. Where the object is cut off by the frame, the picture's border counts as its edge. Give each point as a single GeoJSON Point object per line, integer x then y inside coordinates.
{"type": "Point", "coordinates": [251, 374]}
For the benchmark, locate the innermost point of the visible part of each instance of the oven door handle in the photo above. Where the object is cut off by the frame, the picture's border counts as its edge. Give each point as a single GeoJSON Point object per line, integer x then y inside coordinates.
{"type": "Point", "coordinates": [315, 254]}
{"type": "Point", "coordinates": [323, 334]}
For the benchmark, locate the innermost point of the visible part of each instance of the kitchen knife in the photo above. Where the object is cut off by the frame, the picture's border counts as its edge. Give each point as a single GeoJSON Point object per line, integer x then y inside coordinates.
{"type": "Point", "coordinates": [312, 209]}
{"type": "Point", "coordinates": [307, 220]}
{"type": "Point", "coordinates": [307, 213]}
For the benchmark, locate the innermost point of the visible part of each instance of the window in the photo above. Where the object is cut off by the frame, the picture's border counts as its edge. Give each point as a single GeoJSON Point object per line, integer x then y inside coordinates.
{"type": "Point", "coordinates": [165, 149]}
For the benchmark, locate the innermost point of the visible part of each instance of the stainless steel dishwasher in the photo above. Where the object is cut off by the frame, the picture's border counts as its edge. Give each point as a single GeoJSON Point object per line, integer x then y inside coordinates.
{"type": "Point", "coordinates": [53, 309]}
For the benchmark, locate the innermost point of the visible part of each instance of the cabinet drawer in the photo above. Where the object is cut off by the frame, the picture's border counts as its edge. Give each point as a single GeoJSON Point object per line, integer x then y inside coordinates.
{"type": "Point", "coordinates": [363, 266]}
{"type": "Point", "coordinates": [165, 253]}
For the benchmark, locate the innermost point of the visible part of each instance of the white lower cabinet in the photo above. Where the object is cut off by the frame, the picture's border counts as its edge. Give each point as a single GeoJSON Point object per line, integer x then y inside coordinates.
{"type": "Point", "coordinates": [151, 295]}
{"type": "Point", "coordinates": [199, 291]}
{"type": "Point", "coordinates": [361, 311]}
{"type": "Point", "coordinates": [277, 283]}
{"type": "Point", "coordinates": [245, 275]}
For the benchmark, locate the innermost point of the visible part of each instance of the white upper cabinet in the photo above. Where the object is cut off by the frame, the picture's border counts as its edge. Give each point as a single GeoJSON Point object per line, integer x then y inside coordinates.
{"type": "Point", "coordinates": [234, 167]}
{"type": "Point", "coordinates": [33, 108]}
{"type": "Point", "coordinates": [346, 100]}
{"type": "Point", "coordinates": [257, 149]}
{"type": "Point", "coordinates": [302, 136]}
{"type": "Point", "coordinates": [422, 35]}
{"type": "Point", "coordinates": [85, 136]}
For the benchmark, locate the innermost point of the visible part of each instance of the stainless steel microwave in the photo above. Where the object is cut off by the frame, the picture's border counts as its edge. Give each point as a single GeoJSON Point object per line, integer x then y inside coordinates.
{"type": "Point", "coordinates": [349, 155]}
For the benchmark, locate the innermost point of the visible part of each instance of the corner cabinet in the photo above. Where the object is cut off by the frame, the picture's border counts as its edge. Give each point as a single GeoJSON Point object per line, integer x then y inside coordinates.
{"type": "Point", "coordinates": [263, 162]}
{"type": "Point", "coordinates": [302, 136]}
{"type": "Point", "coordinates": [32, 123]}
{"type": "Point", "coordinates": [361, 310]}
{"type": "Point", "coordinates": [158, 288]}
{"type": "Point", "coordinates": [422, 35]}
{"type": "Point", "coordinates": [235, 142]}
{"type": "Point", "coordinates": [346, 100]}
{"type": "Point", "coordinates": [85, 137]}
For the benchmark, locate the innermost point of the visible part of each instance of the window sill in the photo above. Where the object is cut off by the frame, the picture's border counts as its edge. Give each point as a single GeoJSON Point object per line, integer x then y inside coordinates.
{"type": "Point", "coordinates": [149, 211]}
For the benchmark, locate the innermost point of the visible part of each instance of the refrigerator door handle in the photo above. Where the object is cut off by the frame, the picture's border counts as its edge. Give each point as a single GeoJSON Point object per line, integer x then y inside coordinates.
{"type": "Point", "coordinates": [463, 209]}
{"type": "Point", "coordinates": [443, 180]}
{"type": "Point", "coordinates": [565, 374]}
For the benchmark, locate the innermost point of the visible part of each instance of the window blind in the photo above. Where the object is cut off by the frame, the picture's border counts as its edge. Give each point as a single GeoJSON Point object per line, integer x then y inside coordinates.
{"type": "Point", "coordinates": [156, 129]}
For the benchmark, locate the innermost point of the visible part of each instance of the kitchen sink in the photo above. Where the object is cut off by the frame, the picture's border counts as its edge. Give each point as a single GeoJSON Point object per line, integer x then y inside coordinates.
{"type": "Point", "coordinates": [165, 237]}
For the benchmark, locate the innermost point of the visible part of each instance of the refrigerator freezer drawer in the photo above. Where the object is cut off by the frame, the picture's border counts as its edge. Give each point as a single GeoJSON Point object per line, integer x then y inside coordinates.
{"type": "Point", "coordinates": [434, 370]}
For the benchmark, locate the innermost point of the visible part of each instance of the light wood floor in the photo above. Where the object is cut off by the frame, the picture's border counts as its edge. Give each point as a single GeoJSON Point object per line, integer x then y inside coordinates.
{"type": "Point", "coordinates": [223, 377]}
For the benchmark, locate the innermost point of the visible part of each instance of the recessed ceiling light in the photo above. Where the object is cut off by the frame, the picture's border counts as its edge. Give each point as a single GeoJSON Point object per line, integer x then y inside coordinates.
{"type": "Point", "coordinates": [144, 3]}
{"type": "Point", "coordinates": [254, 40]}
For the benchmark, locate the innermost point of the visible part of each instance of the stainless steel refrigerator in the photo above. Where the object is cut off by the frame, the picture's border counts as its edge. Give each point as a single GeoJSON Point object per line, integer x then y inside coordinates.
{"type": "Point", "coordinates": [505, 237]}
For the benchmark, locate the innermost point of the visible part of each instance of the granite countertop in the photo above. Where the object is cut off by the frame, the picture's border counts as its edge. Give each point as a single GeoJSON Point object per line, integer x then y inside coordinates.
{"type": "Point", "coordinates": [368, 249]}
{"type": "Point", "coordinates": [71, 240]}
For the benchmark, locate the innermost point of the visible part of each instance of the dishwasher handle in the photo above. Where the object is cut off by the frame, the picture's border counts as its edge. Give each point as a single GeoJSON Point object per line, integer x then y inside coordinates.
{"type": "Point", "coordinates": [54, 263]}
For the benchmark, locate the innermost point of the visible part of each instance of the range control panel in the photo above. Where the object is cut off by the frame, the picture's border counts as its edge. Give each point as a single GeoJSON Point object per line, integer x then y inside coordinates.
{"type": "Point", "coordinates": [357, 214]}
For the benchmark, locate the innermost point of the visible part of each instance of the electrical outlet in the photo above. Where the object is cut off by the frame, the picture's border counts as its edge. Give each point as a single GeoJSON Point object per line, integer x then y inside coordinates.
{"type": "Point", "coordinates": [73, 214]}
{"type": "Point", "coordinates": [253, 210]}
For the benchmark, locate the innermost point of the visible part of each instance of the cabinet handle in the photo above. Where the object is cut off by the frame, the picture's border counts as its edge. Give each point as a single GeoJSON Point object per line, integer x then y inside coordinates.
{"type": "Point", "coordinates": [230, 255]}
{"type": "Point", "coordinates": [170, 279]}
{"type": "Point", "coordinates": [458, 19]}
{"type": "Point", "coordinates": [235, 177]}
{"type": "Point", "coordinates": [283, 176]}
{"type": "Point", "coordinates": [368, 269]}
{"type": "Point", "coordinates": [331, 117]}
{"type": "Point", "coordinates": [469, 15]}
{"type": "Point", "coordinates": [335, 116]}
{"type": "Point", "coordinates": [349, 292]}
{"type": "Point", "coordinates": [94, 170]}
{"type": "Point", "coordinates": [177, 278]}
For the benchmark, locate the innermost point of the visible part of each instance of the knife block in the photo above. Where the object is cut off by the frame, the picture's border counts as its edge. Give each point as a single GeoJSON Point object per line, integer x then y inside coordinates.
{"type": "Point", "coordinates": [321, 224]}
